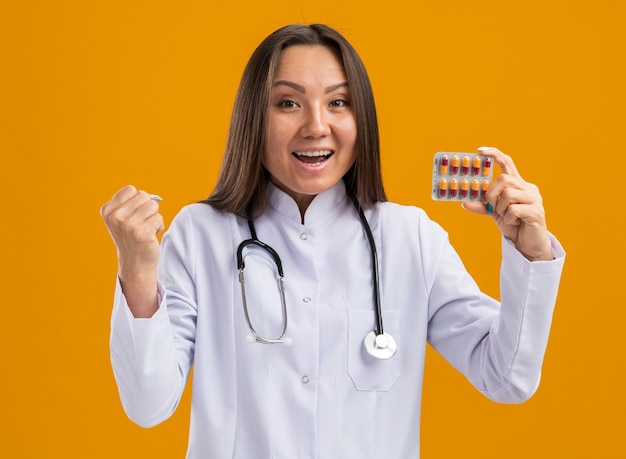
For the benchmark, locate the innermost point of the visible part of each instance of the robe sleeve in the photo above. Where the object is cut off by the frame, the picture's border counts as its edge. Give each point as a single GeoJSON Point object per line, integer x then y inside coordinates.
{"type": "Point", "coordinates": [151, 358]}
{"type": "Point", "coordinates": [498, 346]}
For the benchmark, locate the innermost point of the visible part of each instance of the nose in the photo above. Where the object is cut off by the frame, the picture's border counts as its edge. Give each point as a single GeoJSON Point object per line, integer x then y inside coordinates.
{"type": "Point", "coordinates": [315, 123]}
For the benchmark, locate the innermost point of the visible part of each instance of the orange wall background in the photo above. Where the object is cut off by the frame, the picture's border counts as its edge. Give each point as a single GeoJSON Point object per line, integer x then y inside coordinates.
{"type": "Point", "coordinates": [95, 95]}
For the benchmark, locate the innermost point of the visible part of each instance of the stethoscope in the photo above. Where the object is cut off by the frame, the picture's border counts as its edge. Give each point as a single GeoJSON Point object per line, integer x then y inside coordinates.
{"type": "Point", "coordinates": [377, 342]}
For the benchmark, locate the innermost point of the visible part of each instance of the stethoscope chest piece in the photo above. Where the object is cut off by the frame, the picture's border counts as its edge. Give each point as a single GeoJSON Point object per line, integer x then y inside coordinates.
{"type": "Point", "coordinates": [381, 346]}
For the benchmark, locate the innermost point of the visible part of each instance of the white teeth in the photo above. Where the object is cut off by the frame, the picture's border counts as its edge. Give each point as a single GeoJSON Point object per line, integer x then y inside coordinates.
{"type": "Point", "coordinates": [311, 154]}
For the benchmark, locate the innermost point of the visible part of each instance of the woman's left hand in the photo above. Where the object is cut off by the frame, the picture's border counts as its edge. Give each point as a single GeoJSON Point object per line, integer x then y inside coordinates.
{"type": "Point", "coordinates": [517, 208]}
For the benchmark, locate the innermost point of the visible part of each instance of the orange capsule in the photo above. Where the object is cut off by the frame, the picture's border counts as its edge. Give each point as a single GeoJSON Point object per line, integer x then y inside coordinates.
{"type": "Point", "coordinates": [454, 187]}
{"type": "Point", "coordinates": [476, 165]}
{"type": "Point", "coordinates": [465, 165]}
{"type": "Point", "coordinates": [464, 188]}
{"type": "Point", "coordinates": [484, 186]}
{"type": "Point", "coordinates": [474, 189]}
{"type": "Point", "coordinates": [443, 165]}
{"type": "Point", "coordinates": [454, 164]}
{"type": "Point", "coordinates": [487, 165]}
{"type": "Point", "coordinates": [443, 188]}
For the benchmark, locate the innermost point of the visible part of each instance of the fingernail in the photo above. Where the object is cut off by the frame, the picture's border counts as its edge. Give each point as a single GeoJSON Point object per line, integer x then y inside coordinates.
{"type": "Point", "coordinates": [156, 197]}
{"type": "Point", "coordinates": [483, 148]}
{"type": "Point", "coordinates": [489, 208]}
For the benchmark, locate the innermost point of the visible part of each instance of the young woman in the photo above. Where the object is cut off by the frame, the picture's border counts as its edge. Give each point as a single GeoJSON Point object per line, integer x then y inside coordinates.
{"type": "Point", "coordinates": [301, 297]}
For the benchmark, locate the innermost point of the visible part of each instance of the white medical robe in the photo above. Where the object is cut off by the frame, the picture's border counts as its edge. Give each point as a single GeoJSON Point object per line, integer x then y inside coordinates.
{"type": "Point", "coordinates": [322, 397]}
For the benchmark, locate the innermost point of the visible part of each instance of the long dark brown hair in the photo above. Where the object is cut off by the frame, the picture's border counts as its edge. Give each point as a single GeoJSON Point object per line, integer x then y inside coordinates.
{"type": "Point", "coordinates": [241, 185]}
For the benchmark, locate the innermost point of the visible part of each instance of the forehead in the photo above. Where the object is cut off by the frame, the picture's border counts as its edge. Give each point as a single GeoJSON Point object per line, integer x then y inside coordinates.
{"type": "Point", "coordinates": [309, 62]}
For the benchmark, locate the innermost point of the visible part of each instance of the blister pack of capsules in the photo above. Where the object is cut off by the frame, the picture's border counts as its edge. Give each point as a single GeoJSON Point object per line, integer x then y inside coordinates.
{"type": "Point", "coordinates": [461, 176]}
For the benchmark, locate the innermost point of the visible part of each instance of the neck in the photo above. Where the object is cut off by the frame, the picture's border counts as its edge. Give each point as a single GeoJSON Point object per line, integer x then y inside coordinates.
{"type": "Point", "coordinates": [303, 202]}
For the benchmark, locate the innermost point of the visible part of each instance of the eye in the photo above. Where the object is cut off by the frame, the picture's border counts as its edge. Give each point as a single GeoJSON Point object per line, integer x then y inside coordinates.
{"type": "Point", "coordinates": [339, 103]}
{"type": "Point", "coordinates": [287, 103]}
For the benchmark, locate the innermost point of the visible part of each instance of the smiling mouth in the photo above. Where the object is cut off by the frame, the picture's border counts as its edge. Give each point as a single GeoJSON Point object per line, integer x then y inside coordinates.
{"type": "Point", "coordinates": [313, 158]}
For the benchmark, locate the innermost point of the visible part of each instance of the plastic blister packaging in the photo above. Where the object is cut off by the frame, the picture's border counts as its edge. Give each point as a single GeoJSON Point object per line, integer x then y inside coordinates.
{"type": "Point", "coordinates": [459, 176]}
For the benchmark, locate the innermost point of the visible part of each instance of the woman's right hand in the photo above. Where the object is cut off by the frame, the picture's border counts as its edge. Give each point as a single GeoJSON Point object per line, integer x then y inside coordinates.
{"type": "Point", "coordinates": [133, 220]}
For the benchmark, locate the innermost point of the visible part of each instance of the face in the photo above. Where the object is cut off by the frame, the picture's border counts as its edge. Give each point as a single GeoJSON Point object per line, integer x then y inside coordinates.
{"type": "Point", "coordinates": [311, 132]}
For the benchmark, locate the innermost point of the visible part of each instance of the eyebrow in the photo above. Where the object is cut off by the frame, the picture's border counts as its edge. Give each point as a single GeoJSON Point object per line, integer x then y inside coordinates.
{"type": "Point", "coordinates": [302, 89]}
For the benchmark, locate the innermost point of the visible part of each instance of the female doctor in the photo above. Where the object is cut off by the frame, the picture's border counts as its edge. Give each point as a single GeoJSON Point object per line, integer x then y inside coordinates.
{"type": "Point", "coordinates": [303, 299]}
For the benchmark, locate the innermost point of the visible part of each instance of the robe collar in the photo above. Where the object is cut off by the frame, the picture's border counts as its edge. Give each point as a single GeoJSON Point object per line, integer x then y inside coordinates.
{"type": "Point", "coordinates": [323, 204]}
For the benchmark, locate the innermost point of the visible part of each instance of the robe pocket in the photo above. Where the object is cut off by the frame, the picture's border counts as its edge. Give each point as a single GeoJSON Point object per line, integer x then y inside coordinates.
{"type": "Point", "coordinates": [368, 372]}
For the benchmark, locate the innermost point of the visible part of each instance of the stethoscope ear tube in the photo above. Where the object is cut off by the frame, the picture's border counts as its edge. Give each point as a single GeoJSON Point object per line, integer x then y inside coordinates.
{"type": "Point", "coordinates": [281, 287]}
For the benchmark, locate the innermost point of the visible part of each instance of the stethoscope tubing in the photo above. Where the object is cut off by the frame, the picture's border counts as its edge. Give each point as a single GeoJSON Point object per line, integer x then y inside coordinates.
{"type": "Point", "coordinates": [375, 277]}
{"type": "Point", "coordinates": [377, 343]}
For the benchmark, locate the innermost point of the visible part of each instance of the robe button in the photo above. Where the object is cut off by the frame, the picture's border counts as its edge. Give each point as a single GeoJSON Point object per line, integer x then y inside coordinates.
{"type": "Point", "coordinates": [305, 379]}
{"type": "Point", "coordinates": [306, 299]}
{"type": "Point", "coordinates": [303, 236]}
